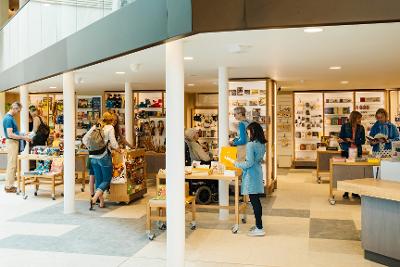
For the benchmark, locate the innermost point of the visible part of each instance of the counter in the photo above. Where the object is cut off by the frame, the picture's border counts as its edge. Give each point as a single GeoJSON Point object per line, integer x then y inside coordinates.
{"type": "Point", "coordinates": [380, 216]}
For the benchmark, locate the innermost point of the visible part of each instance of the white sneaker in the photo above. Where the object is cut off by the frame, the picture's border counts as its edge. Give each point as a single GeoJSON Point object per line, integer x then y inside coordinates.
{"type": "Point", "coordinates": [256, 232]}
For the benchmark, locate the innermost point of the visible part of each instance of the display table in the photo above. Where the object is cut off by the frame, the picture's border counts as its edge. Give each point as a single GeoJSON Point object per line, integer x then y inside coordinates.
{"type": "Point", "coordinates": [3, 159]}
{"type": "Point", "coordinates": [54, 179]}
{"type": "Point", "coordinates": [380, 217]}
{"type": "Point", "coordinates": [154, 162]}
{"type": "Point", "coordinates": [340, 171]}
{"type": "Point", "coordinates": [203, 175]}
{"type": "Point", "coordinates": [323, 161]}
{"type": "Point", "coordinates": [80, 168]}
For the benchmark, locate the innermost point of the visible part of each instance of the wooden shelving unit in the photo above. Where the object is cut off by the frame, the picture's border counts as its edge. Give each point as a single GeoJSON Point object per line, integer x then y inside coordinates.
{"type": "Point", "coordinates": [135, 185]}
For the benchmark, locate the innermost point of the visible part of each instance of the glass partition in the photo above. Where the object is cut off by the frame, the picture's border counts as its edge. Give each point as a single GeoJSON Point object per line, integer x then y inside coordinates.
{"type": "Point", "coordinates": [41, 23]}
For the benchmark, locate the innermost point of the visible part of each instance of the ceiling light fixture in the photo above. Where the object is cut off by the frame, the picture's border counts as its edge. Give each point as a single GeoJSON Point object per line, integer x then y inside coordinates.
{"type": "Point", "coordinates": [344, 82]}
{"type": "Point", "coordinates": [313, 30]}
{"type": "Point", "coordinates": [46, 4]}
{"type": "Point", "coordinates": [120, 72]}
{"type": "Point", "coordinates": [335, 68]}
{"type": "Point", "coordinates": [53, 87]}
{"type": "Point", "coordinates": [188, 58]}
{"type": "Point", "coordinates": [191, 84]}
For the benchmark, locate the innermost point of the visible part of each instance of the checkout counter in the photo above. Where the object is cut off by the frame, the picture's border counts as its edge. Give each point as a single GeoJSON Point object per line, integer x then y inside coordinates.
{"type": "Point", "coordinates": [380, 213]}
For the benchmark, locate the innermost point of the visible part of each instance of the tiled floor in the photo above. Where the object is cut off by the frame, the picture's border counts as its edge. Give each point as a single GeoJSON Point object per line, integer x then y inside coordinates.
{"type": "Point", "coordinates": [302, 228]}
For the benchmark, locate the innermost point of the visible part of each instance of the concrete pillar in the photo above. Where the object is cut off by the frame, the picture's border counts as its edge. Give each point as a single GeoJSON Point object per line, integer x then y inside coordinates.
{"type": "Point", "coordinates": [2, 110]}
{"type": "Point", "coordinates": [223, 130]}
{"type": "Point", "coordinates": [24, 120]}
{"type": "Point", "coordinates": [175, 154]}
{"type": "Point", "coordinates": [69, 142]}
{"type": "Point", "coordinates": [128, 113]}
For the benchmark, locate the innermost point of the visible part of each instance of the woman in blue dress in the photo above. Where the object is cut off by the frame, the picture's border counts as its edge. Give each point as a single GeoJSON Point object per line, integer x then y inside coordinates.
{"type": "Point", "coordinates": [252, 177]}
{"type": "Point", "coordinates": [385, 127]}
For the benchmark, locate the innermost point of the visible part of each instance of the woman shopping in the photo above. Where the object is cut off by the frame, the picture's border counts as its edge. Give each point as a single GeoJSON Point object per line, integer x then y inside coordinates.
{"type": "Point", "coordinates": [252, 177]}
{"type": "Point", "coordinates": [99, 139]}
{"type": "Point", "coordinates": [383, 132]}
{"type": "Point", "coordinates": [352, 136]}
{"type": "Point", "coordinates": [38, 127]}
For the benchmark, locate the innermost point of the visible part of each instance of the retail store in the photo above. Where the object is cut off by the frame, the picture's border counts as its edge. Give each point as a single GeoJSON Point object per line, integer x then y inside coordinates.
{"type": "Point", "coordinates": [299, 84]}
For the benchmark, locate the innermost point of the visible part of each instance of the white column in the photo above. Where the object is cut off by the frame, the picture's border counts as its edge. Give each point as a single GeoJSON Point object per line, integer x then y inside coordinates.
{"type": "Point", "coordinates": [2, 110]}
{"type": "Point", "coordinates": [128, 113]}
{"type": "Point", "coordinates": [175, 155]}
{"type": "Point", "coordinates": [24, 120]}
{"type": "Point", "coordinates": [69, 142]}
{"type": "Point", "coordinates": [223, 130]}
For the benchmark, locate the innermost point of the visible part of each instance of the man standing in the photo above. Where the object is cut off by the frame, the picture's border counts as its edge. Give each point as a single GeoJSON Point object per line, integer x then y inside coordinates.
{"type": "Point", "coordinates": [12, 143]}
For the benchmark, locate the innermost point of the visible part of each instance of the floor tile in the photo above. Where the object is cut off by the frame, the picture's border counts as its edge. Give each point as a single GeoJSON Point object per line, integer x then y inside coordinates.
{"type": "Point", "coordinates": [333, 229]}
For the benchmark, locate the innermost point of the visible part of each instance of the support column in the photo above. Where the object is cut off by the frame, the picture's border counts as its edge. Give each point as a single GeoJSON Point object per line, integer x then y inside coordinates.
{"type": "Point", "coordinates": [2, 110]}
{"type": "Point", "coordinates": [175, 155]}
{"type": "Point", "coordinates": [69, 142]}
{"type": "Point", "coordinates": [223, 139]}
{"type": "Point", "coordinates": [128, 113]}
{"type": "Point", "coordinates": [116, 4]}
{"type": "Point", "coordinates": [24, 120]}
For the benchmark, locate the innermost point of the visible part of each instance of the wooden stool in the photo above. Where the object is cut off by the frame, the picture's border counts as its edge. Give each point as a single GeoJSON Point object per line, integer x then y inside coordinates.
{"type": "Point", "coordinates": [160, 205]}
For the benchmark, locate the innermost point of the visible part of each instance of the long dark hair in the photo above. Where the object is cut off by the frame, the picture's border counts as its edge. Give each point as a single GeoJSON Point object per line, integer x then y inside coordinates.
{"type": "Point", "coordinates": [256, 133]}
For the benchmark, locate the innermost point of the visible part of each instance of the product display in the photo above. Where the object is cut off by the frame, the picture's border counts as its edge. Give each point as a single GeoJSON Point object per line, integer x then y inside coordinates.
{"type": "Point", "coordinates": [206, 121]}
{"type": "Point", "coordinates": [337, 108]}
{"type": "Point", "coordinates": [308, 125]}
{"type": "Point", "coordinates": [114, 102]}
{"type": "Point", "coordinates": [129, 176]}
{"type": "Point", "coordinates": [367, 103]}
{"type": "Point", "coordinates": [88, 112]}
{"type": "Point", "coordinates": [150, 121]}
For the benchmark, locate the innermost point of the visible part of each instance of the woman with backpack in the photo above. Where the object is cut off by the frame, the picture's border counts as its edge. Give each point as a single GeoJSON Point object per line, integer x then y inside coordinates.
{"type": "Point", "coordinates": [99, 140]}
{"type": "Point", "coordinates": [36, 125]}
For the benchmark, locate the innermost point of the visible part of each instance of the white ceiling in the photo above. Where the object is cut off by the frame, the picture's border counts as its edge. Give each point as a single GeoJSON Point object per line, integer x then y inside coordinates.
{"type": "Point", "coordinates": [368, 54]}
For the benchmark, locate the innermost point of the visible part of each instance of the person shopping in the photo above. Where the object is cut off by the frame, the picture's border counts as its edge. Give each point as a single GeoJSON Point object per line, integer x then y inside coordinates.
{"type": "Point", "coordinates": [241, 140]}
{"type": "Point", "coordinates": [99, 139]}
{"type": "Point", "coordinates": [252, 177]}
{"type": "Point", "coordinates": [352, 135]}
{"type": "Point", "coordinates": [38, 127]}
{"type": "Point", "coordinates": [383, 127]}
{"type": "Point", "coordinates": [196, 151]}
{"type": "Point", "coordinates": [12, 145]}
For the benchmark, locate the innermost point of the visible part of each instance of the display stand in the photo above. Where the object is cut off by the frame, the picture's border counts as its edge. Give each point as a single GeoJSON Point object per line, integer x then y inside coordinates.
{"type": "Point", "coordinates": [206, 121]}
{"type": "Point", "coordinates": [367, 103]}
{"type": "Point", "coordinates": [323, 162]}
{"type": "Point", "coordinates": [88, 112]}
{"type": "Point", "coordinates": [337, 108]}
{"type": "Point", "coordinates": [129, 176]}
{"type": "Point", "coordinates": [114, 102]}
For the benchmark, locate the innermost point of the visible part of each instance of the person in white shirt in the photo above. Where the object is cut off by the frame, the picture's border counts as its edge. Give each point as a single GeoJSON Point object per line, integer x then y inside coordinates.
{"type": "Point", "coordinates": [102, 162]}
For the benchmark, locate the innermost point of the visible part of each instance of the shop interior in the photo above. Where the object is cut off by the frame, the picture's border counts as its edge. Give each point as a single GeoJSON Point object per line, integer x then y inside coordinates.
{"type": "Point", "coordinates": [299, 84]}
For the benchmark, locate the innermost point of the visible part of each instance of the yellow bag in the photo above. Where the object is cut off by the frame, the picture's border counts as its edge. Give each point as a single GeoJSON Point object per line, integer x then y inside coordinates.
{"type": "Point", "coordinates": [230, 152]}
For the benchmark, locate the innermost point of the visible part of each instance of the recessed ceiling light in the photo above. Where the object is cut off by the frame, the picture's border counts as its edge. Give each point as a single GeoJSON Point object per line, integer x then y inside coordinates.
{"type": "Point", "coordinates": [335, 67]}
{"type": "Point", "coordinates": [120, 72]}
{"type": "Point", "coordinates": [53, 87]}
{"type": "Point", "coordinates": [344, 82]}
{"type": "Point", "coordinates": [313, 30]}
{"type": "Point", "coordinates": [188, 58]}
{"type": "Point", "coordinates": [190, 84]}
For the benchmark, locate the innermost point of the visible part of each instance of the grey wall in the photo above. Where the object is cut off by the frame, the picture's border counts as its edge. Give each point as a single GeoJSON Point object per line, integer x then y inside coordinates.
{"type": "Point", "coordinates": [140, 24]}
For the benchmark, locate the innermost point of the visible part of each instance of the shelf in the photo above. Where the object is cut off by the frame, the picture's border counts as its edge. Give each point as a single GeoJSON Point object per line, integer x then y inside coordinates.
{"type": "Point", "coordinates": [306, 150]}
{"type": "Point", "coordinates": [208, 137]}
{"type": "Point", "coordinates": [338, 115]}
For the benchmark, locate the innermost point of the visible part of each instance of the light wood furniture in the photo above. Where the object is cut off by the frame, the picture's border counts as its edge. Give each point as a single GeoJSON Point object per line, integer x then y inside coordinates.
{"type": "Point", "coordinates": [54, 179]}
{"type": "Point", "coordinates": [136, 177]}
{"type": "Point", "coordinates": [380, 216]}
{"type": "Point", "coordinates": [80, 167]}
{"type": "Point", "coordinates": [340, 171]}
{"type": "Point", "coordinates": [160, 205]}
{"type": "Point", "coordinates": [203, 175]}
{"type": "Point", "coordinates": [323, 162]}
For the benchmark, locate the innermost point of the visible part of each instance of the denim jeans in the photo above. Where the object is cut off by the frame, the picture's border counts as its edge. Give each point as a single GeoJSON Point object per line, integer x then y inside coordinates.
{"type": "Point", "coordinates": [102, 171]}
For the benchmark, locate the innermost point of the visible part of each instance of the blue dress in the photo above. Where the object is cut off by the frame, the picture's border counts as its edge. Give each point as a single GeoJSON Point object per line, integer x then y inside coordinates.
{"type": "Point", "coordinates": [388, 129]}
{"type": "Point", "coordinates": [252, 177]}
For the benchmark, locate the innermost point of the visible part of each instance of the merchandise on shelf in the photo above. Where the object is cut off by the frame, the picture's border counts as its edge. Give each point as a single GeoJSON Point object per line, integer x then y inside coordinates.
{"type": "Point", "coordinates": [88, 113]}
{"type": "Point", "coordinates": [308, 125]}
{"type": "Point", "coordinates": [367, 103]}
{"type": "Point", "coordinates": [206, 122]}
{"type": "Point", "coordinates": [336, 111]}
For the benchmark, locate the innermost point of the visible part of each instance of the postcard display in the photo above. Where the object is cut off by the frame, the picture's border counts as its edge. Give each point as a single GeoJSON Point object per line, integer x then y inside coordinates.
{"type": "Point", "coordinates": [395, 108]}
{"type": "Point", "coordinates": [337, 108]}
{"type": "Point", "coordinates": [253, 96]}
{"type": "Point", "coordinates": [308, 118]}
{"type": "Point", "coordinates": [150, 121]}
{"type": "Point", "coordinates": [51, 109]}
{"type": "Point", "coordinates": [284, 130]}
{"type": "Point", "coordinates": [368, 103]}
{"type": "Point", "coordinates": [88, 112]}
{"type": "Point", "coordinates": [206, 121]}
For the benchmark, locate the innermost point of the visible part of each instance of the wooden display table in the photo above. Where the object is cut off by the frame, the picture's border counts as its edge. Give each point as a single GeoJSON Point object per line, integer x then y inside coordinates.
{"type": "Point", "coordinates": [54, 179]}
{"type": "Point", "coordinates": [80, 168]}
{"type": "Point", "coordinates": [135, 185]}
{"type": "Point", "coordinates": [202, 175]}
{"type": "Point", "coordinates": [323, 161]}
{"type": "Point", "coordinates": [380, 216]}
{"type": "Point", "coordinates": [340, 171]}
